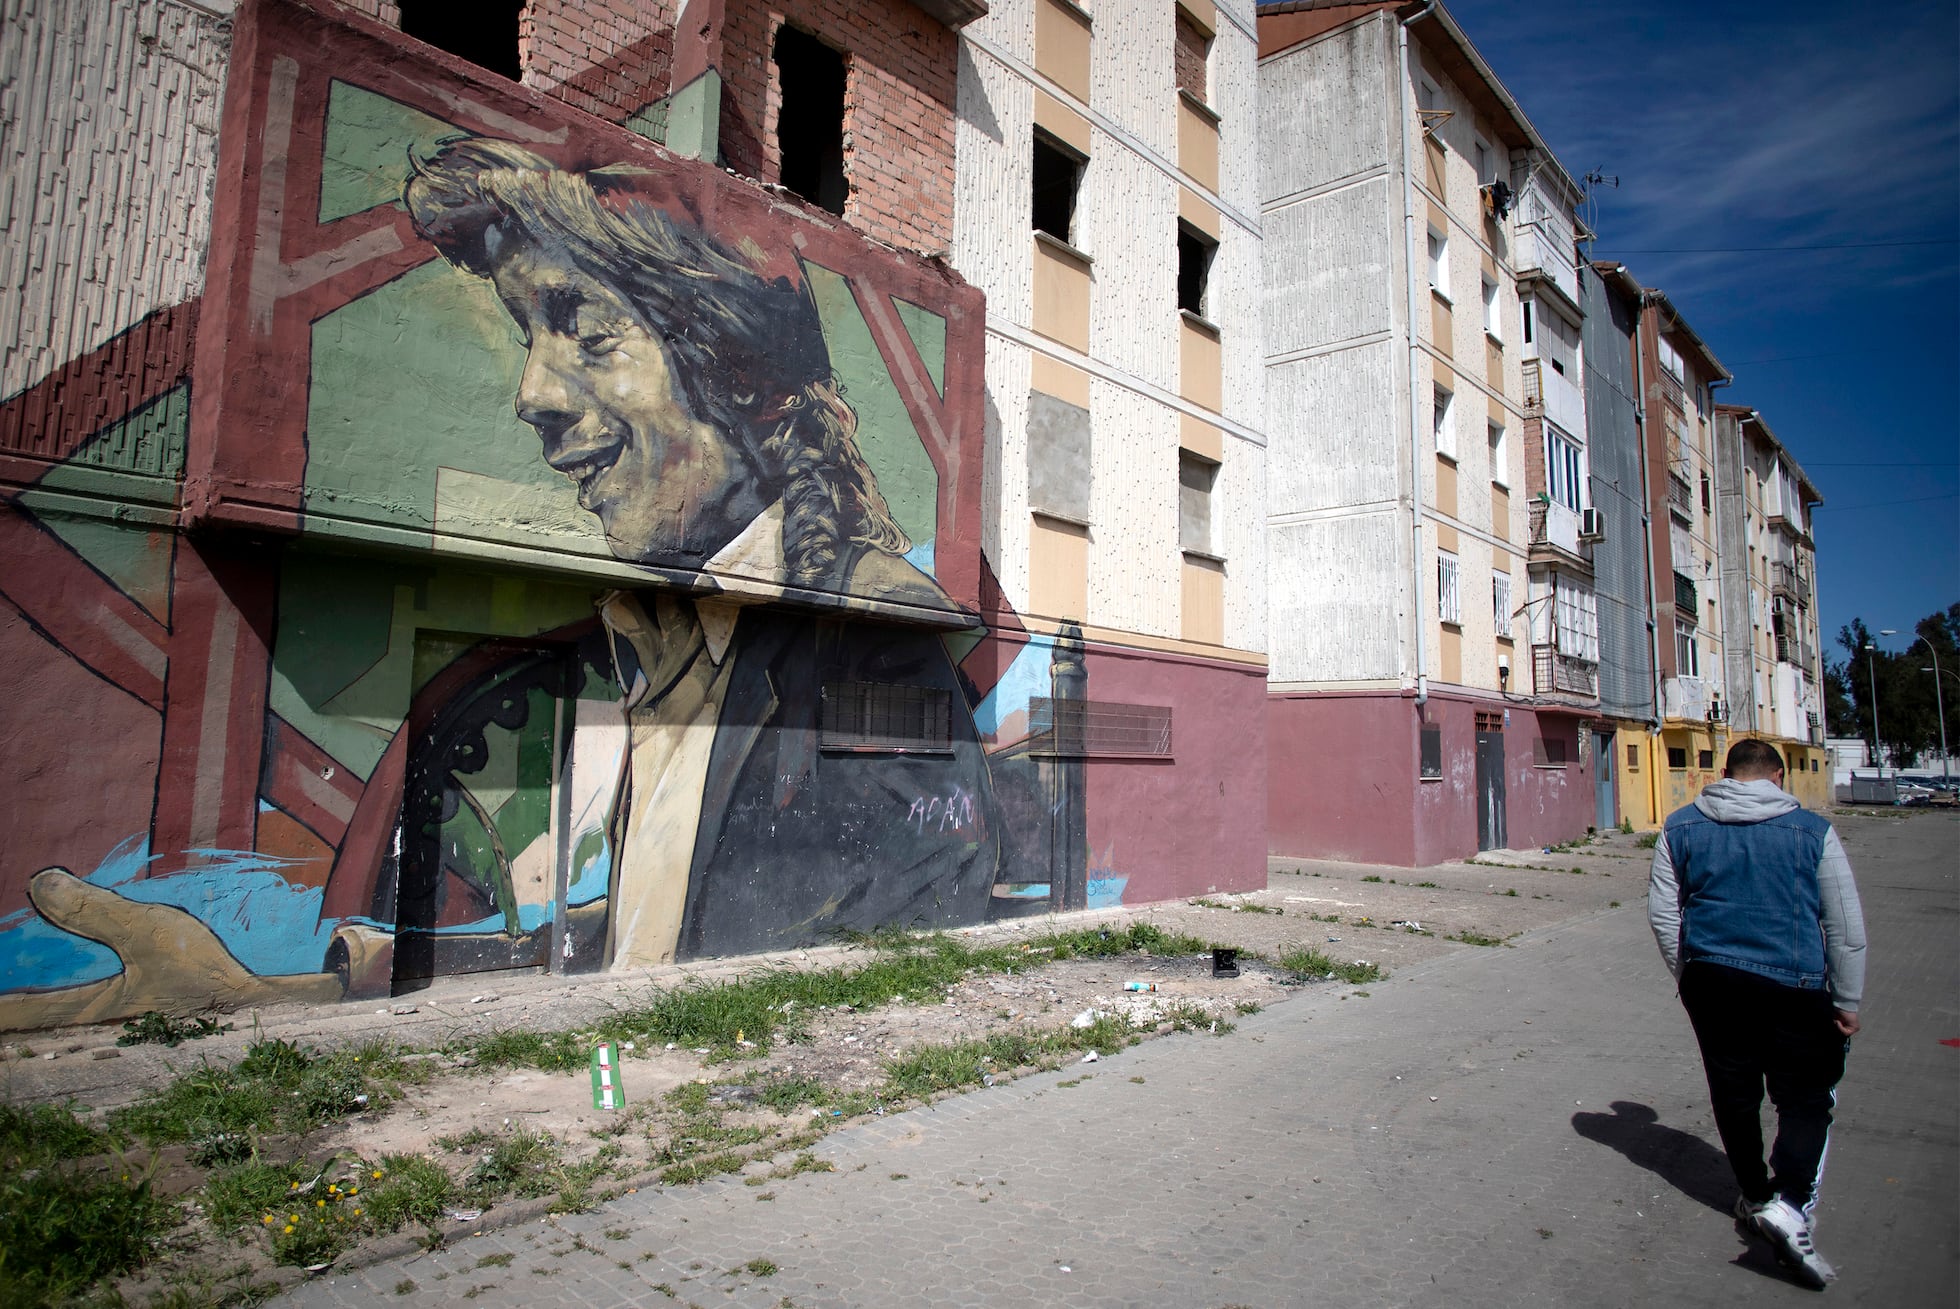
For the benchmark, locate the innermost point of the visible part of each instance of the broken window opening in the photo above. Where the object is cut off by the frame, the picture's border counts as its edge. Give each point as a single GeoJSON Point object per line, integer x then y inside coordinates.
{"type": "Point", "coordinates": [810, 122]}
{"type": "Point", "coordinates": [1057, 177]}
{"type": "Point", "coordinates": [1194, 255]}
{"type": "Point", "coordinates": [481, 32]}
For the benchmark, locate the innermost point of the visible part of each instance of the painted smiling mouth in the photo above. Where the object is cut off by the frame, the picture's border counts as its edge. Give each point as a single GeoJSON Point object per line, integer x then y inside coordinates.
{"type": "Point", "coordinates": [586, 469]}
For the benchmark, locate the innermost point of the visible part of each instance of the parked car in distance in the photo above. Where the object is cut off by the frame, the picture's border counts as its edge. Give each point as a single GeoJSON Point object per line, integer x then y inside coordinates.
{"type": "Point", "coordinates": [1911, 793]}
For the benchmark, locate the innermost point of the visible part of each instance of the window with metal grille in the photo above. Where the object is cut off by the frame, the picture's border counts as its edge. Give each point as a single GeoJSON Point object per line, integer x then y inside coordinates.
{"type": "Point", "coordinates": [1098, 727]}
{"type": "Point", "coordinates": [1489, 721]}
{"type": "Point", "coordinates": [883, 717]}
{"type": "Point", "coordinates": [1677, 756]}
{"type": "Point", "coordinates": [1704, 758]}
{"type": "Point", "coordinates": [1549, 752]}
{"type": "Point", "coordinates": [1633, 758]}
{"type": "Point", "coordinates": [1449, 604]}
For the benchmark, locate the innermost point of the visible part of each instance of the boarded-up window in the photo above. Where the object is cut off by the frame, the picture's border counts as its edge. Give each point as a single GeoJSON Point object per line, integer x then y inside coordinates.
{"type": "Point", "coordinates": [1098, 727]}
{"type": "Point", "coordinates": [1432, 752]}
{"type": "Point", "coordinates": [1058, 458]}
{"type": "Point", "coordinates": [885, 717]}
{"type": "Point", "coordinates": [1191, 50]}
{"type": "Point", "coordinates": [1633, 758]}
{"type": "Point", "coordinates": [1195, 477]}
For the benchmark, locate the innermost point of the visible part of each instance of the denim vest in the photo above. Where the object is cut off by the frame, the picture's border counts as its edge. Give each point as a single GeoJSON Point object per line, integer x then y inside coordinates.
{"type": "Point", "coordinates": [1749, 895]}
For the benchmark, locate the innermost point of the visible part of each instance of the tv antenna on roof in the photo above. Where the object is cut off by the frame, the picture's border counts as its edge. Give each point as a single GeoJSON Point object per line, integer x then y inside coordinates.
{"type": "Point", "coordinates": [1593, 181]}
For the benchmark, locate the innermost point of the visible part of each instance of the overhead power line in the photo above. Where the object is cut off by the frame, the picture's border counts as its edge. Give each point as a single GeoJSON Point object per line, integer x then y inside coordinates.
{"type": "Point", "coordinates": [1778, 249]}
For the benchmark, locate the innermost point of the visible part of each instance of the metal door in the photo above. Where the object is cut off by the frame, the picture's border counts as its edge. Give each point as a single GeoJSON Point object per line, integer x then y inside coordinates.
{"type": "Point", "coordinates": [1490, 782]}
{"type": "Point", "coordinates": [1603, 773]}
{"type": "Point", "coordinates": [481, 873]}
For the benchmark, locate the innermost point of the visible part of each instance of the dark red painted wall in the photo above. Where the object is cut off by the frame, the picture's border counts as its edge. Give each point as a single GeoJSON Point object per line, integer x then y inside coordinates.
{"type": "Point", "coordinates": [1190, 824]}
{"type": "Point", "coordinates": [1342, 777]}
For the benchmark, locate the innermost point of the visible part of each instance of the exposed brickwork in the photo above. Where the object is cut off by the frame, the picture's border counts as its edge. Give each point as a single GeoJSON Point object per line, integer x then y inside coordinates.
{"type": "Point", "coordinates": [383, 11]}
{"type": "Point", "coordinates": [1189, 57]}
{"type": "Point", "coordinates": [607, 57]}
{"type": "Point", "coordinates": [1534, 456]}
{"type": "Point", "coordinates": [901, 70]}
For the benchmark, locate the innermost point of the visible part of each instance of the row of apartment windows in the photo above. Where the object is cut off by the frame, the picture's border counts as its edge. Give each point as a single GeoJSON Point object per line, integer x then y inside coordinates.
{"type": "Point", "coordinates": [1443, 428]}
{"type": "Point", "coordinates": [1449, 595]}
{"type": "Point", "coordinates": [1439, 284]}
{"type": "Point", "coordinates": [1058, 171]}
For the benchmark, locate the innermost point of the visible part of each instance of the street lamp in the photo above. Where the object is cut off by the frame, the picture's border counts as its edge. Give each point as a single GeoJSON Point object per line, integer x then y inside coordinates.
{"type": "Point", "coordinates": [1871, 668]}
{"type": "Point", "coordinates": [1939, 707]}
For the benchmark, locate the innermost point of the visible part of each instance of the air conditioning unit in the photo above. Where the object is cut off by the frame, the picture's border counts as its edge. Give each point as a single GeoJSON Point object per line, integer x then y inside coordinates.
{"type": "Point", "coordinates": [1592, 526]}
{"type": "Point", "coordinates": [1814, 719]}
{"type": "Point", "coordinates": [1717, 712]}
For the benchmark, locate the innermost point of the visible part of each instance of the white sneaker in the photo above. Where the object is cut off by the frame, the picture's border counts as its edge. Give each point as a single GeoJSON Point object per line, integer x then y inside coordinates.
{"type": "Point", "coordinates": [1746, 1211]}
{"type": "Point", "coordinates": [1786, 1228]}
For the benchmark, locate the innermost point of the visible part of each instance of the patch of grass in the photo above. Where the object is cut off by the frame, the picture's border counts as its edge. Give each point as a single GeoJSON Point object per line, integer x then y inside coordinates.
{"type": "Point", "coordinates": [239, 1197]}
{"type": "Point", "coordinates": [36, 1135]}
{"type": "Point", "coordinates": [1613, 904]}
{"type": "Point", "coordinates": [502, 1260]}
{"type": "Point", "coordinates": [1187, 1017]}
{"type": "Point", "coordinates": [1626, 827]}
{"type": "Point", "coordinates": [64, 1230]}
{"type": "Point", "coordinates": [153, 1028]}
{"type": "Point", "coordinates": [1431, 886]}
{"type": "Point", "coordinates": [276, 1087]}
{"type": "Point", "coordinates": [1371, 878]}
{"type": "Point", "coordinates": [1102, 942]}
{"type": "Point", "coordinates": [404, 1287]}
{"type": "Point", "coordinates": [701, 1168]}
{"type": "Point", "coordinates": [1248, 1006]}
{"type": "Point", "coordinates": [1647, 840]}
{"type": "Point", "coordinates": [201, 1288]}
{"type": "Point", "coordinates": [804, 1162]}
{"type": "Point", "coordinates": [522, 1163]}
{"type": "Point", "coordinates": [928, 1070]}
{"type": "Point", "coordinates": [1312, 965]}
{"type": "Point", "coordinates": [406, 1188]}
{"type": "Point", "coordinates": [761, 1267]}
{"type": "Point", "coordinates": [552, 1052]}
{"type": "Point", "coordinates": [1470, 936]}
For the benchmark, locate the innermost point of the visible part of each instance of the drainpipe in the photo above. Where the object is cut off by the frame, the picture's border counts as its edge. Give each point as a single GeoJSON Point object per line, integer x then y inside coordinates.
{"type": "Point", "coordinates": [1404, 90]}
{"type": "Point", "coordinates": [1715, 499]}
{"type": "Point", "coordinates": [1647, 522]}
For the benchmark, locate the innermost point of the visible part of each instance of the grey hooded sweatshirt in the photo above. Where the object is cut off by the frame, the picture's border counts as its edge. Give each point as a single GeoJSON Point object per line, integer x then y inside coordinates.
{"type": "Point", "coordinates": [1843, 921]}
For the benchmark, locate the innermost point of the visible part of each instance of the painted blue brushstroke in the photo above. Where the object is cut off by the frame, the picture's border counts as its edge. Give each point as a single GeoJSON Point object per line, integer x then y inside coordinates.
{"type": "Point", "coordinates": [592, 880]}
{"type": "Point", "coordinates": [1027, 676]}
{"type": "Point", "coordinates": [1106, 892]}
{"type": "Point", "coordinates": [920, 557]}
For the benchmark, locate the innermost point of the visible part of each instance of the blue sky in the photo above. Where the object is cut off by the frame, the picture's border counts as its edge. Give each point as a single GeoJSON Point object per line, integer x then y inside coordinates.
{"type": "Point", "coordinates": [1734, 127]}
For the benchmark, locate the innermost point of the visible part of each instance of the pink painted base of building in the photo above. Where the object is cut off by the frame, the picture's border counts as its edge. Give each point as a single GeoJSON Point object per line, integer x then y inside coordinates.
{"type": "Point", "coordinates": [1345, 776]}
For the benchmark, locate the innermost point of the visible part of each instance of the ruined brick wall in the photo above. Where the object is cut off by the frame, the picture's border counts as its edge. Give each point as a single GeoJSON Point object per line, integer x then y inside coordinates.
{"type": "Point", "coordinates": [607, 57]}
{"type": "Point", "coordinates": [1189, 57]}
{"type": "Point", "coordinates": [901, 71]}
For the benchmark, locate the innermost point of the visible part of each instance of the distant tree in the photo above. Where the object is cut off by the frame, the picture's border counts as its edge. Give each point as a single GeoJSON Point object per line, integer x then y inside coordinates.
{"type": "Point", "coordinates": [1840, 714]}
{"type": "Point", "coordinates": [1908, 705]}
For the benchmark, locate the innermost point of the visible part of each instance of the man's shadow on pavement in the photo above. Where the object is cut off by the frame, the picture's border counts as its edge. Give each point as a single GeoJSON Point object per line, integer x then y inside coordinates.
{"type": "Point", "coordinates": [1684, 1161]}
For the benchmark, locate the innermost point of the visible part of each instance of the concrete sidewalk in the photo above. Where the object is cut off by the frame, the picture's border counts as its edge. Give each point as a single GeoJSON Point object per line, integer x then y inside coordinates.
{"type": "Point", "coordinates": [1520, 1125]}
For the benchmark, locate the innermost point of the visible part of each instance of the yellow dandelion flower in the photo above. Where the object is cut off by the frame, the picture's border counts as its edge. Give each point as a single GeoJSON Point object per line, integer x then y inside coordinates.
{"type": "Point", "coordinates": [353, 1190]}
{"type": "Point", "coordinates": [289, 1229]}
{"type": "Point", "coordinates": [357, 1213]}
{"type": "Point", "coordinates": [377, 1174]}
{"type": "Point", "coordinates": [319, 1204]}
{"type": "Point", "coordinates": [268, 1220]}
{"type": "Point", "coordinates": [292, 1218]}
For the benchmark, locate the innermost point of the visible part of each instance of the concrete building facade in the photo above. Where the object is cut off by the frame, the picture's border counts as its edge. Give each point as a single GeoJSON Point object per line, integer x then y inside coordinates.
{"type": "Point", "coordinates": [1406, 726]}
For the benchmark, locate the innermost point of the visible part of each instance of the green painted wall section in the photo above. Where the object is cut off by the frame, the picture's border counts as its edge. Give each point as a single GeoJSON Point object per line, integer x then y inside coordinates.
{"type": "Point", "coordinates": [928, 333]}
{"type": "Point", "coordinates": [885, 433]}
{"type": "Point", "coordinates": [369, 141]}
{"type": "Point", "coordinates": [345, 662]}
{"type": "Point", "coordinates": [411, 421]}
{"type": "Point", "coordinates": [136, 559]}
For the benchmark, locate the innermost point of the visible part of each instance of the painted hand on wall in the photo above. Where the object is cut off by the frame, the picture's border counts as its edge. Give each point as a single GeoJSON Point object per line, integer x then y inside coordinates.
{"type": "Point", "coordinates": [171, 962]}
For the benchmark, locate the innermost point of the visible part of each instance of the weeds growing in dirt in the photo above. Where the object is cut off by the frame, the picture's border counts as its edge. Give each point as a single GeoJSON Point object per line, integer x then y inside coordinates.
{"type": "Point", "coordinates": [1311, 965]}
{"type": "Point", "coordinates": [153, 1028]}
{"type": "Point", "coordinates": [66, 1226]}
{"type": "Point", "coordinates": [276, 1087]}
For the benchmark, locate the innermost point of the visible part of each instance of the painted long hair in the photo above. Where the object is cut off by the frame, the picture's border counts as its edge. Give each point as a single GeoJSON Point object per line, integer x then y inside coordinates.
{"type": "Point", "coordinates": [748, 352]}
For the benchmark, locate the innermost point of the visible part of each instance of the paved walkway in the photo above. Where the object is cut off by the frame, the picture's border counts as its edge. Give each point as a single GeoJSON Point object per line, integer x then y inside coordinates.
{"type": "Point", "coordinates": [1524, 1125]}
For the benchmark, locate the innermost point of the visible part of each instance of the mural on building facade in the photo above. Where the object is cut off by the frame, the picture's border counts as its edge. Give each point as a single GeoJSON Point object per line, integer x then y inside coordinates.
{"type": "Point", "coordinates": [661, 638]}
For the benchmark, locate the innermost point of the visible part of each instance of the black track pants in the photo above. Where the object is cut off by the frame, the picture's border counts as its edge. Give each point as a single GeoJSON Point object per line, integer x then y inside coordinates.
{"type": "Point", "coordinates": [1753, 1032]}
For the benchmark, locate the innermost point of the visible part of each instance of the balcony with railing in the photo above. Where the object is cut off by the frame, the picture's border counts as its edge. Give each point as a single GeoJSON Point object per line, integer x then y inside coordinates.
{"type": "Point", "coordinates": [1796, 650]}
{"type": "Point", "coordinates": [1673, 392]}
{"type": "Point", "coordinates": [1792, 580]}
{"type": "Point", "coordinates": [1555, 527]}
{"type": "Point", "coordinates": [1684, 594]}
{"type": "Point", "coordinates": [1680, 496]}
{"type": "Point", "coordinates": [1557, 673]}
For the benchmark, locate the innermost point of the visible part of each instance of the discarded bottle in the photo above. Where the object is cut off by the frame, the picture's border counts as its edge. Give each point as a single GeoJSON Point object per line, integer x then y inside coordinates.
{"type": "Point", "coordinates": [1139, 986]}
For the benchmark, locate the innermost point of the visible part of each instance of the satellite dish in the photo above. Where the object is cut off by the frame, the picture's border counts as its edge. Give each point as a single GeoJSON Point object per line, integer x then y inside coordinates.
{"type": "Point", "coordinates": [1498, 197]}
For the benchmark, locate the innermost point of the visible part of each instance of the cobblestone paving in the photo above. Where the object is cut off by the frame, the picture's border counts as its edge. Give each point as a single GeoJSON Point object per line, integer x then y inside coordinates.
{"type": "Point", "coordinates": [1521, 1125]}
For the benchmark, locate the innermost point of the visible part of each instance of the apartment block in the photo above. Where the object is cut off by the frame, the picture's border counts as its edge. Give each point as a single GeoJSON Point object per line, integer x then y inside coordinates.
{"type": "Point", "coordinates": [1419, 572]}
{"type": "Point", "coordinates": [1774, 655]}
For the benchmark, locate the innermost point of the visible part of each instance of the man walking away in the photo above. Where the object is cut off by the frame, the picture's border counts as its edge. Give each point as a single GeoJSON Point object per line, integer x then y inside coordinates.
{"type": "Point", "coordinates": [1754, 907]}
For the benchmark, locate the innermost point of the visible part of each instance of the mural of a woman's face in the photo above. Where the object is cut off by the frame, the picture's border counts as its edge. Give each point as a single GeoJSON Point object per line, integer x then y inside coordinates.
{"type": "Point", "coordinates": [599, 387]}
